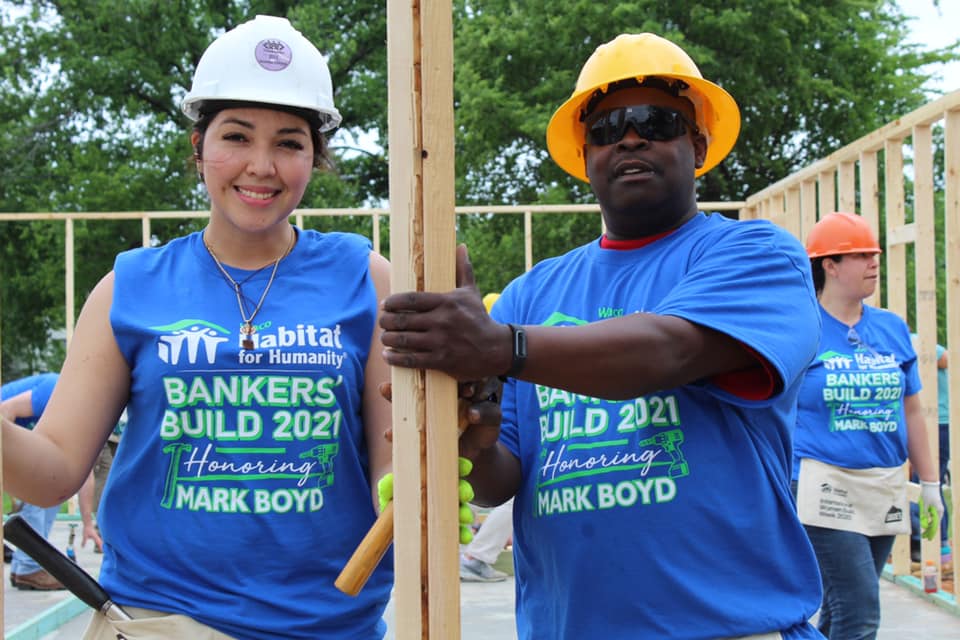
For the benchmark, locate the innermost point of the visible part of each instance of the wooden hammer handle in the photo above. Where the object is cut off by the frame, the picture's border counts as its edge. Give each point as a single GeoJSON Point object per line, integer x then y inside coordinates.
{"type": "Point", "coordinates": [368, 554]}
{"type": "Point", "coordinates": [370, 551]}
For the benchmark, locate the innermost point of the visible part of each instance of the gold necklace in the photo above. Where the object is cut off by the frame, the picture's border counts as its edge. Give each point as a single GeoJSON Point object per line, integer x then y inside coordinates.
{"type": "Point", "coordinates": [247, 329]}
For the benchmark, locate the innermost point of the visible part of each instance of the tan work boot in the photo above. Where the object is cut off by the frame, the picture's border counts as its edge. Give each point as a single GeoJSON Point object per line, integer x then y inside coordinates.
{"type": "Point", "coordinates": [39, 580]}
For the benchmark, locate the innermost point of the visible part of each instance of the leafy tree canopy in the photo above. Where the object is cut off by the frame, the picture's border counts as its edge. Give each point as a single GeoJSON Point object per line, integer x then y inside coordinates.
{"type": "Point", "coordinates": [89, 118]}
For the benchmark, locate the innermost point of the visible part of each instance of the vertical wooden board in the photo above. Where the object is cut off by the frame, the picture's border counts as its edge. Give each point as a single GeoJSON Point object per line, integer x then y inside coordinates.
{"type": "Point", "coordinates": [777, 211]}
{"type": "Point", "coordinates": [408, 387]}
{"type": "Point", "coordinates": [952, 246]}
{"type": "Point", "coordinates": [870, 204]}
{"type": "Point", "coordinates": [420, 57]}
{"type": "Point", "coordinates": [69, 285]}
{"type": "Point", "coordinates": [925, 312]}
{"type": "Point", "coordinates": [443, 574]}
{"type": "Point", "coordinates": [528, 241]}
{"type": "Point", "coordinates": [847, 187]}
{"type": "Point", "coordinates": [925, 276]}
{"type": "Point", "coordinates": [792, 202]}
{"type": "Point", "coordinates": [894, 209]}
{"type": "Point", "coordinates": [808, 207]}
{"type": "Point", "coordinates": [828, 192]}
{"type": "Point", "coordinates": [896, 285]}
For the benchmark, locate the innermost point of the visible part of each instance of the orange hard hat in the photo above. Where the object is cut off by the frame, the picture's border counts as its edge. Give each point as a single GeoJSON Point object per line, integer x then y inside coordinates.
{"type": "Point", "coordinates": [838, 233]}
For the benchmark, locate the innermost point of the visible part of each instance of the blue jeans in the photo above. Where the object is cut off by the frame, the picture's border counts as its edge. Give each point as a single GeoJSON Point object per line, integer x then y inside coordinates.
{"type": "Point", "coordinates": [41, 519]}
{"type": "Point", "coordinates": [850, 567]}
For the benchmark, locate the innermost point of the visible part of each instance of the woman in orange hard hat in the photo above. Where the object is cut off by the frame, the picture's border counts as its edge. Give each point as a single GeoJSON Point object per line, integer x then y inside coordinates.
{"type": "Point", "coordinates": [859, 420]}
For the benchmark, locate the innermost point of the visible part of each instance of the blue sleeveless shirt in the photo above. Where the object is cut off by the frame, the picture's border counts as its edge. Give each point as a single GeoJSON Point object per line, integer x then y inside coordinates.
{"type": "Point", "coordinates": [240, 486]}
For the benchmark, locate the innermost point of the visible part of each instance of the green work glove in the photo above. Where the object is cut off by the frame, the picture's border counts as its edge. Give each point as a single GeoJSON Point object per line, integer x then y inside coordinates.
{"type": "Point", "coordinates": [385, 490]}
{"type": "Point", "coordinates": [465, 491]}
{"type": "Point", "coordinates": [931, 508]}
{"type": "Point", "coordinates": [928, 520]}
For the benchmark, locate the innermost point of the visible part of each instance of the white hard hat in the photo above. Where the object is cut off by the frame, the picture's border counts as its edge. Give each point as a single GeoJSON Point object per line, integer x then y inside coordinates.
{"type": "Point", "coordinates": [264, 60]}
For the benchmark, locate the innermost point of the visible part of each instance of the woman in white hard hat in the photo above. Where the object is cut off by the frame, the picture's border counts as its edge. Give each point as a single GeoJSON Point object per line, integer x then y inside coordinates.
{"type": "Point", "coordinates": [245, 356]}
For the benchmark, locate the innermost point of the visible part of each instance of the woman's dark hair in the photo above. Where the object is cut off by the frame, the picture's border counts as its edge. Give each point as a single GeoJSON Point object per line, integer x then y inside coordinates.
{"type": "Point", "coordinates": [819, 275]}
{"type": "Point", "coordinates": [321, 150]}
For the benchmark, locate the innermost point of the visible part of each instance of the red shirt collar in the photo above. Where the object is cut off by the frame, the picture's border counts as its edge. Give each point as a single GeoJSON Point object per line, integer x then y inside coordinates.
{"type": "Point", "coordinates": [633, 243]}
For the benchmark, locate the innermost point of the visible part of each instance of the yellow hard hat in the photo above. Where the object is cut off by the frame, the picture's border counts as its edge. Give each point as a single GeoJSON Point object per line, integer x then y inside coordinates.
{"type": "Point", "coordinates": [489, 299]}
{"type": "Point", "coordinates": [641, 56]}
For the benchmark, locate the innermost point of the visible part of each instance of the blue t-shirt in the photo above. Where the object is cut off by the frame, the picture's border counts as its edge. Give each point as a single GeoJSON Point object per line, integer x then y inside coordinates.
{"type": "Point", "coordinates": [851, 402]}
{"type": "Point", "coordinates": [240, 487]}
{"type": "Point", "coordinates": [943, 390]}
{"type": "Point", "coordinates": [669, 515]}
{"type": "Point", "coordinates": [40, 386]}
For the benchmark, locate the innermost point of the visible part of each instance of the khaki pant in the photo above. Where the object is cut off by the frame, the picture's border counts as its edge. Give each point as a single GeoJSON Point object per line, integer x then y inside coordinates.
{"type": "Point", "coordinates": [101, 468]}
{"type": "Point", "coordinates": [150, 625]}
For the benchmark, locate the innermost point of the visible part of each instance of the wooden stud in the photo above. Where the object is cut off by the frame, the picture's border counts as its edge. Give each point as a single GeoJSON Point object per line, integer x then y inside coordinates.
{"type": "Point", "coordinates": [951, 232]}
{"type": "Point", "coordinates": [870, 205]}
{"type": "Point", "coordinates": [925, 305]}
{"type": "Point", "coordinates": [422, 247]}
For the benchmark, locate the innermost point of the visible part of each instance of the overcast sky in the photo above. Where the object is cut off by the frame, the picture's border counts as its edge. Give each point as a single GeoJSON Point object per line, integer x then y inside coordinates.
{"type": "Point", "coordinates": [936, 27]}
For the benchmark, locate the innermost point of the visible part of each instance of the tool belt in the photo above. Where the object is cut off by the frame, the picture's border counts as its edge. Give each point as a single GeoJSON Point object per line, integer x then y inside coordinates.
{"type": "Point", "coordinates": [869, 501]}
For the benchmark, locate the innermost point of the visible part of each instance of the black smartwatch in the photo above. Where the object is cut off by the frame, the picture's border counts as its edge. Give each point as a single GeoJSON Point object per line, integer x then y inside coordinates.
{"type": "Point", "coordinates": [519, 343]}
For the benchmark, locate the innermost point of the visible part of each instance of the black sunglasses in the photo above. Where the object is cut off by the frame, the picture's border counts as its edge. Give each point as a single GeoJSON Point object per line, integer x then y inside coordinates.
{"type": "Point", "coordinates": [649, 121]}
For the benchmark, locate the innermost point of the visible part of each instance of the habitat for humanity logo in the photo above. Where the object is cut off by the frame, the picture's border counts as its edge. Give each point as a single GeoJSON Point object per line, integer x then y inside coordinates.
{"type": "Point", "coordinates": [195, 338]}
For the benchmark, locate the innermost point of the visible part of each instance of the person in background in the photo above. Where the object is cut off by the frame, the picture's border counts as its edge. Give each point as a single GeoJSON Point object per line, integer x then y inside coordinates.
{"type": "Point", "coordinates": [478, 557]}
{"type": "Point", "coordinates": [943, 420]}
{"type": "Point", "coordinates": [859, 419]}
{"type": "Point", "coordinates": [245, 357]}
{"type": "Point", "coordinates": [652, 379]}
{"type": "Point", "coordinates": [23, 401]}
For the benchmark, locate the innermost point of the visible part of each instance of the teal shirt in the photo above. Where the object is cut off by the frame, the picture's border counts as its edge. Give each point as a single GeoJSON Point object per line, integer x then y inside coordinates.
{"type": "Point", "coordinates": [943, 390]}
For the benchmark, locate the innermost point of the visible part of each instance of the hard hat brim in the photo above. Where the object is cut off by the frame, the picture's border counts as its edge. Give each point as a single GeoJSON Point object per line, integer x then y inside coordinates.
{"type": "Point", "coordinates": [718, 119]}
{"type": "Point", "coordinates": [329, 117]}
{"type": "Point", "coordinates": [841, 252]}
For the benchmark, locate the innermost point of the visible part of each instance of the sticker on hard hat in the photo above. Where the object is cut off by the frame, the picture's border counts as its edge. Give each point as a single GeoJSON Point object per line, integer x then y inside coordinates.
{"type": "Point", "coordinates": [273, 55]}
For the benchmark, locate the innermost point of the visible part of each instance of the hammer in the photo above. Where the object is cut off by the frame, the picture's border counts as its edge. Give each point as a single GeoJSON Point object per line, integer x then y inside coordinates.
{"type": "Point", "coordinates": [378, 539]}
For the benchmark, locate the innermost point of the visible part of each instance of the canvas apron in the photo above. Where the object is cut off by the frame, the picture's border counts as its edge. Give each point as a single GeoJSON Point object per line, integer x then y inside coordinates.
{"type": "Point", "coordinates": [150, 625]}
{"type": "Point", "coordinates": [869, 501]}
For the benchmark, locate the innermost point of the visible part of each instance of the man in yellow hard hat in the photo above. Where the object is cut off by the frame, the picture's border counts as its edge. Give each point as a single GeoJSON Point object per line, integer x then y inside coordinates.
{"type": "Point", "coordinates": [651, 379]}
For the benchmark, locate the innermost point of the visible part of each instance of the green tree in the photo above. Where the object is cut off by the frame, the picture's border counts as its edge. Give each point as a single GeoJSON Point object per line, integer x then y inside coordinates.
{"type": "Point", "coordinates": [89, 98]}
{"type": "Point", "coordinates": [809, 77]}
{"type": "Point", "coordinates": [89, 120]}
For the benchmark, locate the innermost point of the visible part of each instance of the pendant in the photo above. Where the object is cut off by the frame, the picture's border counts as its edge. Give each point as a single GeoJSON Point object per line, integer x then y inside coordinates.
{"type": "Point", "coordinates": [247, 330]}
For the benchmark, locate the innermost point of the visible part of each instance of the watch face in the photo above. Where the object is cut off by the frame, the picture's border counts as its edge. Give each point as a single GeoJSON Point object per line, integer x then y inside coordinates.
{"type": "Point", "coordinates": [519, 350]}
